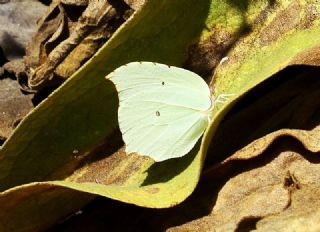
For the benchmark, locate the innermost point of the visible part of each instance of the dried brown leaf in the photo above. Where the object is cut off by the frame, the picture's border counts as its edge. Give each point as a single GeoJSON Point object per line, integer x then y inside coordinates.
{"type": "Point", "coordinates": [135, 4]}
{"type": "Point", "coordinates": [75, 2]}
{"type": "Point", "coordinates": [262, 188]}
{"type": "Point", "coordinates": [69, 34]}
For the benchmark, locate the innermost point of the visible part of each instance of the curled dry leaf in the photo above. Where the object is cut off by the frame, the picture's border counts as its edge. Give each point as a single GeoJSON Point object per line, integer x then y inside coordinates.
{"type": "Point", "coordinates": [135, 4]}
{"type": "Point", "coordinates": [76, 2]}
{"type": "Point", "coordinates": [68, 35]}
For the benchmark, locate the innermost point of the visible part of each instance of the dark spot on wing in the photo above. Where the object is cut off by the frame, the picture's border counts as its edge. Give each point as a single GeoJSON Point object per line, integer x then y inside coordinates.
{"type": "Point", "coordinates": [158, 113]}
{"type": "Point", "coordinates": [162, 83]}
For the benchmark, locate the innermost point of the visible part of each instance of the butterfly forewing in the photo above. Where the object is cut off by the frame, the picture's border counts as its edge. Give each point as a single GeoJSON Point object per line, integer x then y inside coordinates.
{"type": "Point", "coordinates": [162, 109]}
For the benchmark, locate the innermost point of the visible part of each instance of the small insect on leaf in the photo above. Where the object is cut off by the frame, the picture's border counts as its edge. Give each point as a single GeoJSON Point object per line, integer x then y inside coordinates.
{"type": "Point", "coordinates": [185, 107]}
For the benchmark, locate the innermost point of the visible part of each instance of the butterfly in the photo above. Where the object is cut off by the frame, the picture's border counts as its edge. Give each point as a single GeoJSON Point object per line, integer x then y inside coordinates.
{"type": "Point", "coordinates": [163, 110]}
